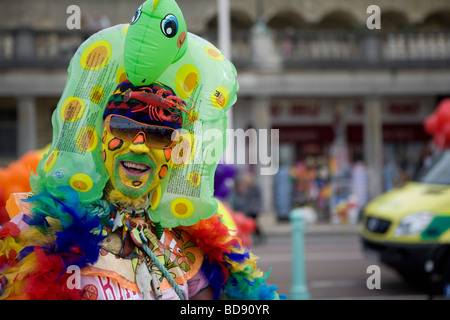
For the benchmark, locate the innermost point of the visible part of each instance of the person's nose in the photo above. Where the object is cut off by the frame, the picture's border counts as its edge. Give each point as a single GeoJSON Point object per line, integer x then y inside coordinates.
{"type": "Point", "coordinates": [138, 144]}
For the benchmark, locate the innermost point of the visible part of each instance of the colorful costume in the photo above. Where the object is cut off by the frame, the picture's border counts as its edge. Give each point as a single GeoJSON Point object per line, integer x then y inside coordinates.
{"type": "Point", "coordinates": [132, 210]}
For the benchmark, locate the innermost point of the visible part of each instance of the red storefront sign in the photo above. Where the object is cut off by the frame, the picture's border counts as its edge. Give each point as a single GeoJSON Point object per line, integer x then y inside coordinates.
{"type": "Point", "coordinates": [306, 134]}
{"type": "Point", "coordinates": [391, 133]}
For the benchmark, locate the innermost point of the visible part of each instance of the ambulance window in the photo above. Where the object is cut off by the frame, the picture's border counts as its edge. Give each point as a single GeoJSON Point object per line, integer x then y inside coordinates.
{"type": "Point", "coordinates": [439, 171]}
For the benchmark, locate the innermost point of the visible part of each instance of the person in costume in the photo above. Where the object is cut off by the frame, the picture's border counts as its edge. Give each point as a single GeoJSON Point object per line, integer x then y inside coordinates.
{"type": "Point", "coordinates": [137, 143]}
{"type": "Point", "coordinates": [77, 237]}
{"type": "Point", "coordinates": [135, 258]}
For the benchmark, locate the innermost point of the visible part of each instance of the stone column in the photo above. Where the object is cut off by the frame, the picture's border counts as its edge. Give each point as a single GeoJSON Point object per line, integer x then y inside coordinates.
{"type": "Point", "coordinates": [25, 46]}
{"type": "Point", "coordinates": [265, 55]}
{"type": "Point", "coordinates": [26, 124]}
{"type": "Point", "coordinates": [267, 157]}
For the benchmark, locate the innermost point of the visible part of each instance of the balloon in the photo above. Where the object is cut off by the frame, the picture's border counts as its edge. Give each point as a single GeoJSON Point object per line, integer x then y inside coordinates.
{"type": "Point", "coordinates": [226, 216]}
{"type": "Point", "coordinates": [144, 50]}
{"type": "Point", "coordinates": [75, 155]}
{"type": "Point", "coordinates": [31, 159]}
{"type": "Point", "coordinates": [439, 140]}
{"type": "Point", "coordinates": [4, 217]}
{"type": "Point", "coordinates": [156, 38]}
{"type": "Point", "coordinates": [443, 115]}
{"type": "Point", "coordinates": [222, 175]}
{"type": "Point", "coordinates": [20, 175]}
{"type": "Point", "coordinates": [444, 105]}
{"type": "Point", "coordinates": [4, 176]}
{"type": "Point", "coordinates": [438, 124]}
{"type": "Point", "coordinates": [221, 191]}
{"type": "Point", "coordinates": [445, 132]}
{"type": "Point", "coordinates": [15, 177]}
{"type": "Point", "coordinates": [430, 124]}
{"type": "Point", "coordinates": [206, 80]}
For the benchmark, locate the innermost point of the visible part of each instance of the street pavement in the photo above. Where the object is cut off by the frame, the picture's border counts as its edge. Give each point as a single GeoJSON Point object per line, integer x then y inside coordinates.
{"type": "Point", "coordinates": [335, 266]}
{"type": "Point", "coordinates": [273, 228]}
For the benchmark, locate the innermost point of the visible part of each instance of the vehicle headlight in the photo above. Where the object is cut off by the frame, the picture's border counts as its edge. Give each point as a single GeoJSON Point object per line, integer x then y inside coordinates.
{"type": "Point", "coordinates": [413, 224]}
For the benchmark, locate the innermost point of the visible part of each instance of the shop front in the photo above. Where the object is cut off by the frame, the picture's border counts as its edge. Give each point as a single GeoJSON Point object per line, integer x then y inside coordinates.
{"type": "Point", "coordinates": [322, 140]}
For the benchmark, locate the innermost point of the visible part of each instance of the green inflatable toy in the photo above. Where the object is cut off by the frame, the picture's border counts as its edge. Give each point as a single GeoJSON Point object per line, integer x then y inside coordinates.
{"type": "Point", "coordinates": [152, 48]}
{"type": "Point", "coordinates": [156, 38]}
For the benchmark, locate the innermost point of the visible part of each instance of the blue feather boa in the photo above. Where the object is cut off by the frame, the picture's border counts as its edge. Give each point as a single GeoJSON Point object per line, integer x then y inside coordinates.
{"type": "Point", "coordinates": [79, 241]}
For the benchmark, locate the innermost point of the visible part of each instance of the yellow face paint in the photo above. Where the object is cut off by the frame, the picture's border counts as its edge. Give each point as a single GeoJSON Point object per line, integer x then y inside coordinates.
{"type": "Point", "coordinates": [133, 166]}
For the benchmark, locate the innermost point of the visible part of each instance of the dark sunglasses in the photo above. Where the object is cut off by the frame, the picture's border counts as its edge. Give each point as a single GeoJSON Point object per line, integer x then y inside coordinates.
{"type": "Point", "coordinates": [160, 137]}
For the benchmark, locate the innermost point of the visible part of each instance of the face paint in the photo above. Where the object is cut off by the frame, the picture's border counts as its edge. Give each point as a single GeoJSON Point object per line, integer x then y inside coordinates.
{"type": "Point", "coordinates": [134, 167]}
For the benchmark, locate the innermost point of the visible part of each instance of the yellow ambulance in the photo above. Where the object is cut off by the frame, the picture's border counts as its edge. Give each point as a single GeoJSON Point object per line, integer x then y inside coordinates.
{"type": "Point", "coordinates": [408, 228]}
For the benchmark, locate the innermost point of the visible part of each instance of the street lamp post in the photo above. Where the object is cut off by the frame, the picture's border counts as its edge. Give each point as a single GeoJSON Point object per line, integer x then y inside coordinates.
{"type": "Point", "coordinates": [299, 289]}
{"type": "Point", "coordinates": [224, 35]}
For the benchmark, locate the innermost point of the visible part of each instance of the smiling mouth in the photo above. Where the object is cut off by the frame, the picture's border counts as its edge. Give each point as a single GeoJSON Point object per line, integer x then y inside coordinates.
{"type": "Point", "coordinates": [136, 169]}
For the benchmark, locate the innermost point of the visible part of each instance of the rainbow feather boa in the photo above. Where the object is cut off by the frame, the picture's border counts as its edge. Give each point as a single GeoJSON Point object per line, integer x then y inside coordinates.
{"type": "Point", "coordinates": [62, 233]}
{"type": "Point", "coordinates": [231, 271]}
{"type": "Point", "coordinates": [33, 263]}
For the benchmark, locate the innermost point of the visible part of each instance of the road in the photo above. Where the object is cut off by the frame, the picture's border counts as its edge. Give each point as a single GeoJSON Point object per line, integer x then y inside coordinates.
{"type": "Point", "coordinates": [335, 269]}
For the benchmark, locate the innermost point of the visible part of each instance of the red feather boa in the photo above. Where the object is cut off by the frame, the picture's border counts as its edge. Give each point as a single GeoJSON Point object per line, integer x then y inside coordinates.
{"type": "Point", "coordinates": [49, 282]}
{"type": "Point", "coordinates": [214, 238]}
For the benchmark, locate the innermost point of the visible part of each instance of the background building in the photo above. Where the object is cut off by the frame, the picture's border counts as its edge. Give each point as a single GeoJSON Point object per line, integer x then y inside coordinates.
{"type": "Point", "coordinates": [336, 90]}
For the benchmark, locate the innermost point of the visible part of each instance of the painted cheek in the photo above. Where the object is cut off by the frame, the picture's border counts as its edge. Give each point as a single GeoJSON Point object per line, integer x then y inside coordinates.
{"type": "Point", "coordinates": [115, 144]}
{"type": "Point", "coordinates": [163, 171]}
{"type": "Point", "coordinates": [167, 154]}
{"type": "Point", "coordinates": [159, 156]}
{"type": "Point", "coordinates": [111, 147]}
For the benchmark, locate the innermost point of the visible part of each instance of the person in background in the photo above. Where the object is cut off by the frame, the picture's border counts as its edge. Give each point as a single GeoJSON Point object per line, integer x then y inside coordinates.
{"type": "Point", "coordinates": [359, 183]}
{"type": "Point", "coordinates": [238, 195]}
{"type": "Point", "coordinates": [252, 203]}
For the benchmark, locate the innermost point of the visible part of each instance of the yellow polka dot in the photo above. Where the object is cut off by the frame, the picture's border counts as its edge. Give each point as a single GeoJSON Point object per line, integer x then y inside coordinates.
{"type": "Point", "coordinates": [155, 197]}
{"type": "Point", "coordinates": [48, 164]}
{"type": "Point", "coordinates": [184, 151]}
{"type": "Point", "coordinates": [86, 139]}
{"type": "Point", "coordinates": [155, 4]}
{"type": "Point", "coordinates": [214, 53]}
{"type": "Point", "coordinates": [72, 109]}
{"type": "Point", "coordinates": [182, 208]}
{"type": "Point", "coordinates": [96, 56]}
{"type": "Point", "coordinates": [97, 94]}
{"type": "Point", "coordinates": [193, 178]}
{"type": "Point", "coordinates": [219, 97]}
{"type": "Point", "coordinates": [121, 76]}
{"type": "Point", "coordinates": [125, 29]}
{"type": "Point", "coordinates": [81, 182]}
{"type": "Point", "coordinates": [194, 115]}
{"type": "Point", "coordinates": [186, 80]}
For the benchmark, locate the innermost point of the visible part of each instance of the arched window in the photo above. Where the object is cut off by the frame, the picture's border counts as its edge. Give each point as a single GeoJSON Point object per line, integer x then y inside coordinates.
{"type": "Point", "coordinates": [392, 20]}
{"type": "Point", "coordinates": [337, 20]}
{"type": "Point", "coordinates": [239, 21]}
{"type": "Point", "coordinates": [436, 21]}
{"type": "Point", "coordinates": [286, 19]}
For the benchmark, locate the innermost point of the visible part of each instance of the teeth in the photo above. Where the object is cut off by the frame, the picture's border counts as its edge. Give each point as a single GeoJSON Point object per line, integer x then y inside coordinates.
{"type": "Point", "coordinates": [133, 165]}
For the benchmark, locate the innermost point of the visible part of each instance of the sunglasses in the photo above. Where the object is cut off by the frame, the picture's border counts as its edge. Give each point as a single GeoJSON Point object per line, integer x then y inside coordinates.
{"type": "Point", "coordinates": [159, 137]}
